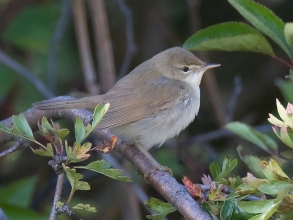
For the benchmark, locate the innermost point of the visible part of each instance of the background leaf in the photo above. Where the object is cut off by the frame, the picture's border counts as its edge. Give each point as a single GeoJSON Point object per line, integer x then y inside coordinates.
{"type": "Point", "coordinates": [229, 36]}
{"type": "Point", "coordinates": [262, 140]}
{"type": "Point", "coordinates": [264, 20]}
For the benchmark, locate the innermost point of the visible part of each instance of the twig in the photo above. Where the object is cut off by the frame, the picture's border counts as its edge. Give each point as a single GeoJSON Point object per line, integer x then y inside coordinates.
{"type": "Point", "coordinates": [209, 80]}
{"type": "Point", "coordinates": [25, 73]}
{"type": "Point", "coordinates": [57, 37]}
{"type": "Point", "coordinates": [290, 66]}
{"type": "Point", "coordinates": [17, 145]}
{"type": "Point", "coordinates": [162, 181]}
{"type": "Point", "coordinates": [57, 196]}
{"type": "Point", "coordinates": [103, 45]}
{"type": "Point", "coordinates": [130, 45]}
{"type": "Point", "coordinates": [234, 98]}
{"type": "Point", "coordinates": [84, 49]}
{"type": "Point", "coordinates": [222, 132]}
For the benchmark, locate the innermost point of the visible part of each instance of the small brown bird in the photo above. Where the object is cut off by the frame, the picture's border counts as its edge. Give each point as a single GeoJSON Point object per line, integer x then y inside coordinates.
{"type": "Point", "coordinates": [151, 104]}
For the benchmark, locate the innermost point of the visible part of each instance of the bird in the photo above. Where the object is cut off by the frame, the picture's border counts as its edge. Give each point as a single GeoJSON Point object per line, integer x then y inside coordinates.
{"type": "Point", "coordinates": [151, 104]}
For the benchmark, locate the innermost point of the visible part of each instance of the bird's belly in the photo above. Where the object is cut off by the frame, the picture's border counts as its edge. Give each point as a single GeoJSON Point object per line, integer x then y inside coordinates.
{"type": "Point", "coordinates": [156, 129]}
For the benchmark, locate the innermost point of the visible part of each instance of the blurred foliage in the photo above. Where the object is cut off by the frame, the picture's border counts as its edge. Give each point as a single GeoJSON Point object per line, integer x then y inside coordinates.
{"type": "Point", "coordinates": [26, 32]}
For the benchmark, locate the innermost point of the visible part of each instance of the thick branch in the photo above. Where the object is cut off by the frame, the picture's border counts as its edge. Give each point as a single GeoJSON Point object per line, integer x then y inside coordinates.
{"type": "Point", "coordinates": [103, 45]}
{"type": "Point", "coordinates": [84, 48]}
{"type": "Point", "coordinates": [162, 181]}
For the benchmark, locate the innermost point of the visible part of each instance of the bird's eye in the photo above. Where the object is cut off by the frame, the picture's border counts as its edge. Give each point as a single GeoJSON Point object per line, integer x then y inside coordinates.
{"type": "Point", "coordinates": [185, 69]}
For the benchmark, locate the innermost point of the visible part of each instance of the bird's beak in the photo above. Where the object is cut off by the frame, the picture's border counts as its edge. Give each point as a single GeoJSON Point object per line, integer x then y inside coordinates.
{"type": "Point", "coordinates": [210, 65]}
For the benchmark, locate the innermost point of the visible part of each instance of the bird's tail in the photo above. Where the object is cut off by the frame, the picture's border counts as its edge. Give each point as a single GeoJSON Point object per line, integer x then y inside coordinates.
{"type": "Point", "coordinates": [87, 102]}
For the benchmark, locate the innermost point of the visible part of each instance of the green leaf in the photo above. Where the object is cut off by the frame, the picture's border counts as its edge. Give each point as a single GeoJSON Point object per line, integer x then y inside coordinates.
{"type": "Point", "coordinates": [21, 127]}
{"type": "Point", "coordinates": [85, 207]}
{"type": "Point", "coordinates": [286, 88]}
{"type": "Point", "coordinates": [252, 135]}
{"type": "Point", "coordinates": [273, 187]}
{"type": "Point", "coordinates": [71, 155]}
{"type": "Point", "coordinates": [160, 207]}
{"type": "Point", "coordinates": [288, 31]}
{"type": "Point", "coordinates": [273, 171]}
{"type": "Point", "coordinates": [103, 167]}
{"type": "Point", "coordinates": [261, 206]}
{"type": "Point", "coordinates": [264, 20]}
{"type": "Point", "coordinates": [74, 179]}
{"type": "Point", "coordinates": [45, 126]}
{"type": "Point", "coordinates": [19, 213]}
{"type": "Point", "coordinates": [229, 36]}
{"type": "Point", "coordinates": [29, 33]}
{"type": "Point", "coordinates": [19, 193]}
{"type": "Point", "coordinates": [215, 170]}
{"type": "Point", "coordinates": [99, 113]}
{"type": "Point", "coordinates": [79, 130]}
{"type": "Point", "coordinates": [231, 211]}
{"type": "Point", "coordinates": [47, 152]}
{"type": "Point", "coordinates": [251, 161]}
{"type": "Point", "coordinates": [228, 166]}
{"type": "Point", "coordinates": [5, 128]}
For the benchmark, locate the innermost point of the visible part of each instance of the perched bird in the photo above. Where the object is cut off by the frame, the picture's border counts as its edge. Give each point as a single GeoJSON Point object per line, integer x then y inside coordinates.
{"type": "Point", "coordinates": [151, 104]}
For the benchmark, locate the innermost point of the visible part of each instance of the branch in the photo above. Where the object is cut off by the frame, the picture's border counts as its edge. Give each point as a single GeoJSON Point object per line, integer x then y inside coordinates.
{"type": "Point", "coordinates": [130, 45]}
{"type": "Point", "coordinates": [162, 181]}
{"type": "Point", "coordinates": [209, 79]}
{"type": "Point", "coordinates": [17, 145]}
{"type": "Point", "coordinates": [25, 73]}
{"type": "Point", "coordinates": [57, 37]}
{"type": "Point", "coordinates": [84, 49]}
{"type": "Point", "coordinates": [57, 196]}
{"type": "Point", "coordinates": [234, 98]}
{"type": "Point", "coordinates": [103, 45]}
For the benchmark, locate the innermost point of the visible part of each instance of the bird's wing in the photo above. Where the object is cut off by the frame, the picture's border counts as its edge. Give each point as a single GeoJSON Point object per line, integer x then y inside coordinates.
{"type": "Point", "coordinates": [129, 103]}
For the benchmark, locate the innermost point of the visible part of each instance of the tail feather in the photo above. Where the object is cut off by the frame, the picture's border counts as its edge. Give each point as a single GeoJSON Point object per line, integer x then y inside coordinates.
{"type": "Point", "coordinates": [87, 102]}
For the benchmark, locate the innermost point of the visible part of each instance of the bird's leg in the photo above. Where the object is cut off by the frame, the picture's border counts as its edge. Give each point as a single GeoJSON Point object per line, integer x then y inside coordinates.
{"type": "Point", "coordinates": [151, 159]}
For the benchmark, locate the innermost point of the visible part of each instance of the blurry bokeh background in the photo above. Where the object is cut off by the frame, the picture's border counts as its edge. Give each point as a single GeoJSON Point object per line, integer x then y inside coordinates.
{"type": "Point", "coordinates": [66, 46]}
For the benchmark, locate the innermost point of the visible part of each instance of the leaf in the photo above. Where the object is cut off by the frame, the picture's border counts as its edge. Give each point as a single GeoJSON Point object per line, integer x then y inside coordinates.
{"type": "Point", "coordinates": [229, 36]}
{"type": "Point", "coordinates": [160, 207]}
{"type": "Point", "coordinates": [288, 31]}
{"type": "Point", "coordinates": [21, 127]}
{"type": "Point", "coordinates": [285, 135]}
{"type": "Point", "coordinates": [80, 151]}
{"type": "Point", "coordinates": [85, 207]}
{"type": "Point", "coordinates": [19, 213]}
{"type": "Point", "coordinates": [47, 152]}
{"type": "Point", "coordinates": [71, 156]}
{"type": "Point", "coordinates": [228, 166]}
{"type": "Point", "coordinates": [193, 189]}
{"type": "Point", "coordinates": [252, 135]}
{"type": "Point", "coordinates": [20, 192]}
{"type": "Point", "coordinates": [74, 179]}
{"type": "Point", "coordinates": [231, 211]}
{"type": "Point", "coordinates": [273, 172]}
{"type": "Point", "coordinates": [99, 113]}
{"type": "Point", "coordinates": [103, 167]}
{"type": "Point", "coordinates": [284, 115]}
{"type": "Point", "coordinates": [215, 170]}
{"type": "Point", "coordinates": [273, 187]}
{"type": "Point", "coordinates": [251, 161]}
{"type": "Point", "coordinates": [28, 33]}
{"type": "Point", "coordinates": [79, 130]}
{"type": "Point", "coordinates": [264, 20]}
{"type": "Point", "coordinates": [5, 128]}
